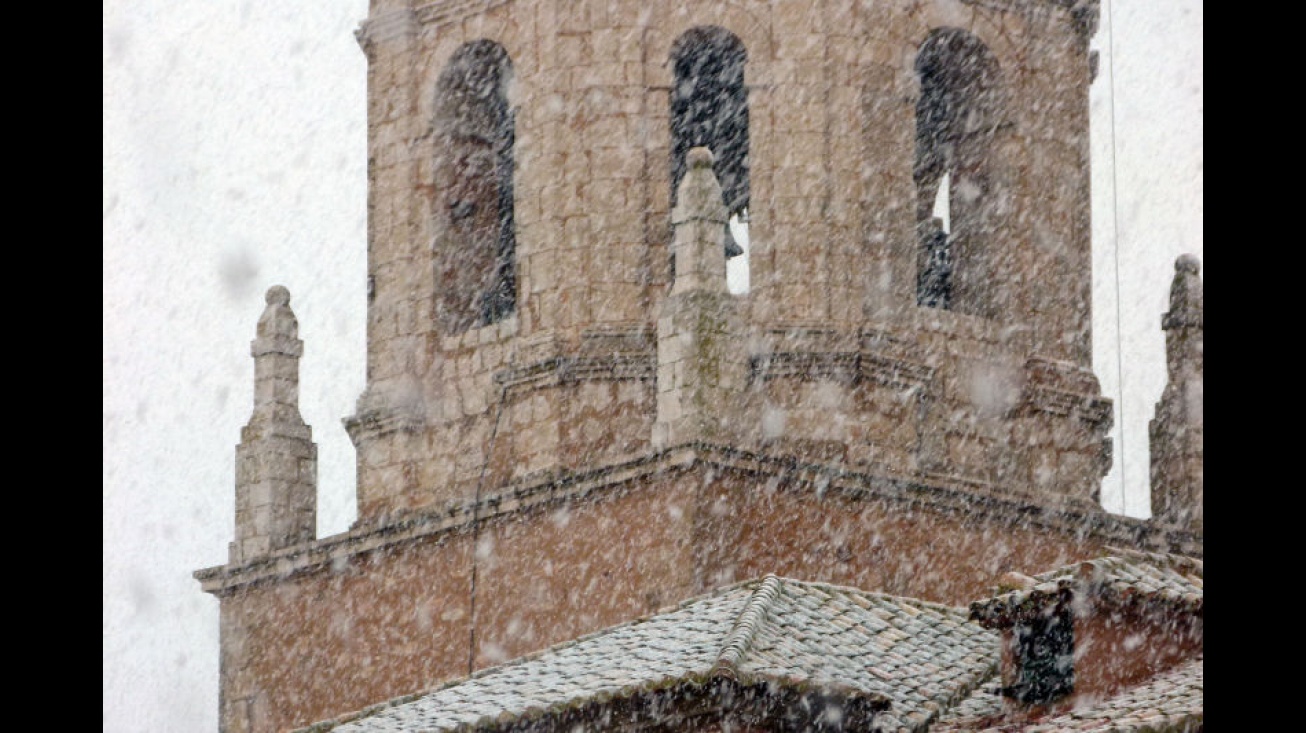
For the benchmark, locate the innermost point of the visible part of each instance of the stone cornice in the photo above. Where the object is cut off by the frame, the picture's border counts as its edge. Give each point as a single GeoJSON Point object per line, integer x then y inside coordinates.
{"type": "Point", "coordinates": [1090, 408]}
{"type": "Point", "coordinates": [559, 370]}
{"type": "Point", "coordinates": [846, 366]}
{"type": "Point", "coordinates": [1083, 13]}
{"type": "Point", "coordinates": [442, 12]}
{"type": "Point", "coordinates": [386, 26]}
{"type": "Point", "coordinates": [894, 372]}
{"type": "Point", "coordinates": [615, 352]}
{"type": "Point", "coordinates": [838, 365]}
{"type": "Point", "coordinates": [814, 351]}
{"type": "Point", "coordinates": [375, 423]}
{"type": "Point", "coordinates": [1065, 390]}
{"type": "Point", "coordinates": [454, 517]}
{"type": "Point", "coordinates": [822, 480]}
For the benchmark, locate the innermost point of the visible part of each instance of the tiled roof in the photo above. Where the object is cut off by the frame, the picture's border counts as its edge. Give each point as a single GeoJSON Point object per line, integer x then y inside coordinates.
{"type": "Point", "coordinates": [1125, 576]}
{"type": "Point", "coordinates": [932, 666]}
{"type": "Point", "coordinates": [918, 656]}
{"type": "Point", "coordinates": [1170, 701]}
{"type": "Point", "coordinates": [921, 656]}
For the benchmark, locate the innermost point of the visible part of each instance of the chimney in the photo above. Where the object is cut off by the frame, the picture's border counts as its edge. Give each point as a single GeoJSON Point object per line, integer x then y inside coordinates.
{"type": "Point", "coordinates": [1091, 630]}
{"type": "Point", "coordinates": [1038, 639]}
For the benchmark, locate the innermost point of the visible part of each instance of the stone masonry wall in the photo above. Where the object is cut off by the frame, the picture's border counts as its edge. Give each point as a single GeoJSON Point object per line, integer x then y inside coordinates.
{"type": "Point", "coordinates": [831, 94]}
{"type": "Point", "coordinates": [615, 445]}
{"type": "Point", "coordinates": [388, 612]}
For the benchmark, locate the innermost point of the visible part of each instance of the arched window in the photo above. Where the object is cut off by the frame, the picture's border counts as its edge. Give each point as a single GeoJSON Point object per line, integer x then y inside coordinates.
{"type": "Point", "coordinates": [475, 249]}
{"type": "Point", "coordinates": [709, 107]}
{"type": "Point", "coordinates": [955, 120]}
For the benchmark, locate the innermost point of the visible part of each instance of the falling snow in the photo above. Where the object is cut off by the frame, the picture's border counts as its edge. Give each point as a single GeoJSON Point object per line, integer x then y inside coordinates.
{"type": "Point", "coordinates": [236, 158]}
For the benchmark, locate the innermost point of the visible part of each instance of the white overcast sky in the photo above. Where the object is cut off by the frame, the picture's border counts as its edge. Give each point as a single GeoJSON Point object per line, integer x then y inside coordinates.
{"type": "Point", "coordinates": [235, 158]}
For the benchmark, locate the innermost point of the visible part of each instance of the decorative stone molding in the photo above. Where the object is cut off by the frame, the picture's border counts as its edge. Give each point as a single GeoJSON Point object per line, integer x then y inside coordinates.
{"type": "Point", "coordinates": [894, 362]}
{"type": "Point", "coordinates": [534, 375]}
{"type": "Point", "coordinates": [614, 367]}
{"type": "Point", "coordinates": [571, 369]}
{"type": "Point", "coordinates": [1064, 389]}
{"type": "Point", "coordinates": [841, 366]}
{"type": "Point", "coordinates": [805, 365]}
{"type": "Point", "coordinates": [524, 499]}
{"type": "Point", "coordinates": [606, 353]}
{"type": "Point", "coordinates": [808, 352]}
{"type": "Point", "coordinates": [1036, 8]}
{"type": "Point", "coordinates": [386, 26]}
{"type": "Point", "coordinates": [636, 338]}
{"type": "Point", "coordinates": [444, 12]}
{"type": "Point", "coordinates": [378, 413]}
{"type": "Point", "coordinates": [894, 372]}
{"type": "Point", "coordinates": [374, 424]}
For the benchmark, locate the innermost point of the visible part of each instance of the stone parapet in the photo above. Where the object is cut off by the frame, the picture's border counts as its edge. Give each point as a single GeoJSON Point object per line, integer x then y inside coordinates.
{"type": "Point", "coordinates": [661, 528]}
{"type": "Point", "coordinates": [765, 472]}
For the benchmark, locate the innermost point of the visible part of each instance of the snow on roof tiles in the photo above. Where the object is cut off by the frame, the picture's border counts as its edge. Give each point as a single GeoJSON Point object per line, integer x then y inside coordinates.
{"type": "Point", "coordinates": [916, 654]}
{"type": "Point", "coordinates": [1170, 701]}
{"type": "Point", "coordinates": [1122, 577]}
{"type": "Point", "coordinates": [927, 660]}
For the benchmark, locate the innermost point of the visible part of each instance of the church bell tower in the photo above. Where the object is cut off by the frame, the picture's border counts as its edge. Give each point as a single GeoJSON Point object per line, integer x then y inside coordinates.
{"type": "Point", "coordinates": [573, 416]}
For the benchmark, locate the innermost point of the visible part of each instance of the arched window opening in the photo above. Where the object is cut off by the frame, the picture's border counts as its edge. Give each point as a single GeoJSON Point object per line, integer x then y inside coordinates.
{"type": "Point", "coordinates": [709, 108]}
{"type": "Point", "coordinates": [956, 116]}
{"type": "Point", "coordinates": [475, 250]}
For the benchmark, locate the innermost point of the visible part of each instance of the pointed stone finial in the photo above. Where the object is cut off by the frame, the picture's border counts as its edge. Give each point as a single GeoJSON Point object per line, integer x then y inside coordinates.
{"type": "Point", "coordinates": [1183, 322]}
{"type": "Point", "coordinates": [699, 220]}
{"type": "Point", "coordinates": [698, 364]}
{"type": "Point", "coordinates": [276, 460]}
{"type": "Point", "coordinates": [699, 195]}
{"type": "Point", "coordinates": [1185, 295]}
{"type": "Point", "coordinates": [1175, 432]}
{"type": "Point", "coordinates": [276, 350]}
{"type": "Point", "coordinates": [278, 329]}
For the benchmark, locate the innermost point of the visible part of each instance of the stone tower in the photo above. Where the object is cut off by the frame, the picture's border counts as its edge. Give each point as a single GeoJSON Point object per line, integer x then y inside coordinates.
{"type": "Point", "coordinates": [521, 161]}
{"type": "Point", "coordinates": [571, 420]}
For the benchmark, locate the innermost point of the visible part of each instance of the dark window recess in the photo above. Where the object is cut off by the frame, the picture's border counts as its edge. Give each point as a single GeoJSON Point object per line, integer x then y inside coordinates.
{"type": "Point", "coordinates": [500, 299]}
{"type": "Point", "coordinates": [934, 276]}
{"type": "Point", "coordinates": [956, 115]}
{"type": "Point", "coordinates": [475, 250]}
{"type": "Point", "coordinates": [1045, 650]}
{"type": "Point", "coordinates": [709, 108]}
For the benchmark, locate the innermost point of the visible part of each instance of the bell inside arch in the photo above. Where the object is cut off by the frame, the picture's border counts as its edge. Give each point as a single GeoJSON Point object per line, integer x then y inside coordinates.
{"type": "Point", "coordinates": [732, 247]}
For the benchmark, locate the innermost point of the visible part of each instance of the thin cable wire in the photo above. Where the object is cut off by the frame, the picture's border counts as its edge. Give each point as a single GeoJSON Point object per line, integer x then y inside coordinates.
{"type": "Point", "coordinates": [1115, 222]}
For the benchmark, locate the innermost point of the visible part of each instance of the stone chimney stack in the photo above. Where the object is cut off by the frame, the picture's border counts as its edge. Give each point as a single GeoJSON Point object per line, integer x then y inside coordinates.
{"type": "Point", "coordinates": [1086, 633]}
{"type": "Point", "coordinates": [276, 460]}
{"type": "Point", "coordinates": [697, 365]}
{"type": "Point", "coordinates": [1175, 432]}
